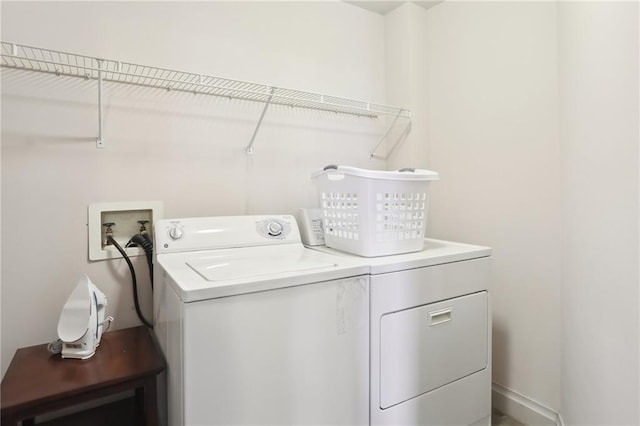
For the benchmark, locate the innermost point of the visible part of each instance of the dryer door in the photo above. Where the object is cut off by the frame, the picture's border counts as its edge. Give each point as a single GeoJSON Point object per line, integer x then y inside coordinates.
{"type": "Point", "coordinates": [430, 346]}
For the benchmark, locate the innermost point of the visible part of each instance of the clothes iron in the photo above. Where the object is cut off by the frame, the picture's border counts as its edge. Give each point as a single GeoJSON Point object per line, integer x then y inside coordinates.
{"type": "Point", "coordinates": [82, 320]}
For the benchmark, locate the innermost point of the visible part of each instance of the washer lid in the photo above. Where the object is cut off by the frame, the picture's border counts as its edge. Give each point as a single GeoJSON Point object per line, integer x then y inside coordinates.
{"type": "Point", "coordinates": [239, 265]}
{"type": "Point", "coordinates": [210, 274]}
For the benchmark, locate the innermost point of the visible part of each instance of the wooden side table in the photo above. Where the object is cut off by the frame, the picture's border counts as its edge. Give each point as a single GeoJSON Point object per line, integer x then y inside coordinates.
{"type": "Point", "coordinates": [38, 382]}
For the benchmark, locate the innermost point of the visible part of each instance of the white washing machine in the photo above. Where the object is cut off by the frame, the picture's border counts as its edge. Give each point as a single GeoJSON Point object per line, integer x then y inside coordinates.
{"type": "Point", "coordinates": [257, 329]}
{"type": "Point", "coordinates": [430, 340]}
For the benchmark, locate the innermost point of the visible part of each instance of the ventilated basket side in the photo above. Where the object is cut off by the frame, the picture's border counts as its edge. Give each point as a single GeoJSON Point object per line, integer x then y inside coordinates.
{"type": "Point", "coordinates": [343, 203]}
{"type": "Point", "coordinates": [397, 217]}
{"type": "Point", "coordinates": [373, 217]}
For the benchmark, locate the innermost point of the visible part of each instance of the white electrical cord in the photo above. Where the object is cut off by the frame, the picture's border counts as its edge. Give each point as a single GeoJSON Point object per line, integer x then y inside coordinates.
{"type": "Point", "coordinates": [55, 347]}
{"type": "Point", "coordinates": [108, 319]}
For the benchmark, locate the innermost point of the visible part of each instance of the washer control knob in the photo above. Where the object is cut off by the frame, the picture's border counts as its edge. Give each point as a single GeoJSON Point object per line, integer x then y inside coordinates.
{"type": "Point", "coordinates": [274, 228]}
{"type": "Point", "coordinates": [175, 233]}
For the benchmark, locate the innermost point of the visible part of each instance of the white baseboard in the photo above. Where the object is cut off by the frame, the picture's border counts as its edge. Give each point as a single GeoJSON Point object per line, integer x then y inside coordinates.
{"type": "Point", "coordinates": [522, 408]}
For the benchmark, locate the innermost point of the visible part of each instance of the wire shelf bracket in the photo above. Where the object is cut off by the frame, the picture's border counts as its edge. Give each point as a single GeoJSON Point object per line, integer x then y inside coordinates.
{"type": "Point", "coordinates": [60, 63]}
{"type": "Point", "coordinates": [100, 143]}
{"type": "Point", "coordinates": [397, 143]}
{"type": "Point", "coordinates": [405, 132]}
{"type": "Point", "coordinates": [249, 149]}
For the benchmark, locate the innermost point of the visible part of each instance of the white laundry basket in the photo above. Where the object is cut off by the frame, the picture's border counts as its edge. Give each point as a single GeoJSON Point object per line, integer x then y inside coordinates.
{"type": "Point", "coordinates": [374, 213]}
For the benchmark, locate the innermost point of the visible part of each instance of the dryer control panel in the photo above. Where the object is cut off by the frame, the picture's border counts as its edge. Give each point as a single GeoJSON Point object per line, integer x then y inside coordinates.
{"type": "Point", "coordinates": [211, 233]}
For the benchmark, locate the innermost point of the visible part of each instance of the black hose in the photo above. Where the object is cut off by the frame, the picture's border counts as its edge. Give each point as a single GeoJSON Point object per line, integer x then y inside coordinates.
{"type": "Point", "coordinates": [144, 241]}
{"type": "Point", "coordinates": [133, 280]}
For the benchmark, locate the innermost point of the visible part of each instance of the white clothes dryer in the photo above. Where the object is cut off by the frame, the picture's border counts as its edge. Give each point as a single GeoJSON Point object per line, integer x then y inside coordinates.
{"type": "Point", "coordinates": [430, 335]}
{"type": "Point", "coordinates": [257, 329]}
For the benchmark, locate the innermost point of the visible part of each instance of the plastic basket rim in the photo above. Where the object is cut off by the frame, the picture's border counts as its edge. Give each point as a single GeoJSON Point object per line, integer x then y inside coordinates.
{"type": "Point", "coordinates": [415, 175]}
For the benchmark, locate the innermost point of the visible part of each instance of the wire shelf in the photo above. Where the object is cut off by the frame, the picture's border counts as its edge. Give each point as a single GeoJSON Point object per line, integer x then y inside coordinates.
{"type": "Point", "coordinates": [74, 65]}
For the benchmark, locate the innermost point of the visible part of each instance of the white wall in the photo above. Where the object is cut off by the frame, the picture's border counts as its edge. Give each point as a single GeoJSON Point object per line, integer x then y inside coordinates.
{"type": "Point", "coordinates": [599, 48]}
{"type": "Point", "coordinates": [185, 150]}
{"type": "Point", "coordinates": [493, 137]}
{"type": "Point", "coordinates": [533, 125]}
{"type": "Point", "coordinates": [406, 59]}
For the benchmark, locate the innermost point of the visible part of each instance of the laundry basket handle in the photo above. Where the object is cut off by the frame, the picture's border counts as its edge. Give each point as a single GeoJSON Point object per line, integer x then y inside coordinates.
{"type": "Point", "coordinates": [331, 167]}
{"type": "Point", "coordinates": [407, 169]}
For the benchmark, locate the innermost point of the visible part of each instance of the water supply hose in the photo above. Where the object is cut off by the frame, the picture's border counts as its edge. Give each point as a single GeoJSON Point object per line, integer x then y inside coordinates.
{"type": "Point", "coordinates": [144, 241]}
{"type": "Point", "coordinates": [133, 280]}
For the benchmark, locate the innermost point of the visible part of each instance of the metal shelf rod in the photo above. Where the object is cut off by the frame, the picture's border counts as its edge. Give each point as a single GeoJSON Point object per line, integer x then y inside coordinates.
{"type": "Point", "coordinates": [73, 65]}
{"type": "Point", "coordinates": [285, 100]}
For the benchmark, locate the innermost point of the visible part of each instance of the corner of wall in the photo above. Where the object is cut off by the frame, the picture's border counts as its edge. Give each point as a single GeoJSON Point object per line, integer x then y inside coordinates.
{"type": "Point", "coordinates": [405, 55]}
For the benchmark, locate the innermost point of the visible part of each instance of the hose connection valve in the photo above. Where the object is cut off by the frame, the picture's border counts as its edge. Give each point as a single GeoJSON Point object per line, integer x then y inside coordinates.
{"type": "Point", "coordinates": [143, 228]}
{"type": "Point", "coordinates": [108, 232]}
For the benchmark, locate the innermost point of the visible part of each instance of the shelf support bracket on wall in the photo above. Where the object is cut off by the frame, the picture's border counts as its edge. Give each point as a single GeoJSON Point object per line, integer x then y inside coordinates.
{"type": "Point", "coordinates": [384, 136]}
{"type": "Point", "coordinates": [249, 149]}
{"type": "Point", "coordinates": [100, 141]}
{"type": "Point", "coordinates": [402, 136]}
